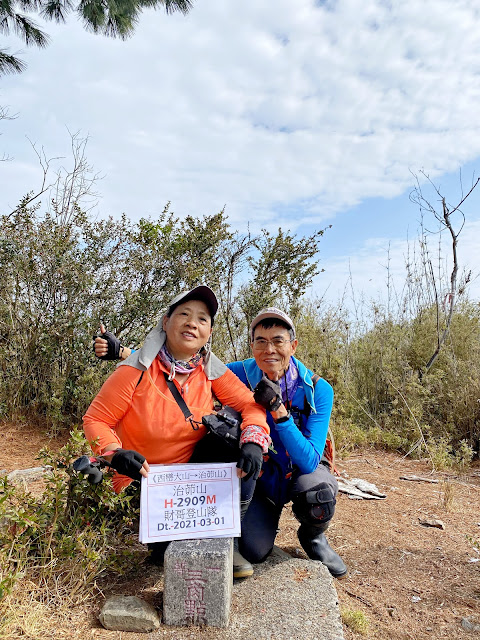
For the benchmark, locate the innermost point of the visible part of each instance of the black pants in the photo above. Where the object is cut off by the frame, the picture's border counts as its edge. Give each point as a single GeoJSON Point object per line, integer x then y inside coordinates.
{"type": "Point", "coordinates": [260, 524]}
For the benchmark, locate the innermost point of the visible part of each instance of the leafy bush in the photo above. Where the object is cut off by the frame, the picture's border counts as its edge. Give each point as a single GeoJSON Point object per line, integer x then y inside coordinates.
{"type": "Point", "coordinates": [64, 272]}
{"type": "Point", "coordinates": [64, 539]}
{"type": "Point", "coordinates": [380, 397]}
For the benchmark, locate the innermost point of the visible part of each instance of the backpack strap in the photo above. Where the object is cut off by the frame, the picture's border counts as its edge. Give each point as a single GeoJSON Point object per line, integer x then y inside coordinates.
{"type": "Point", "coordinates": [329, 451]}
{"type": "Point", "coordinates": [188, 415]}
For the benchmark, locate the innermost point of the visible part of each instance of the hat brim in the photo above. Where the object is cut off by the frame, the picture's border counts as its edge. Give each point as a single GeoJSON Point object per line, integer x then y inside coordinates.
{"type": "Point", "coordinates": [271, 315]}
{"type": "Point", "coordinates": [203, 293]}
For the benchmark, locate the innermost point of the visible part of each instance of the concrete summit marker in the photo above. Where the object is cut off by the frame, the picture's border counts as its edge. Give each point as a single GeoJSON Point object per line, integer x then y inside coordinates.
{"type": "Point", "coordinates": [198, 579]}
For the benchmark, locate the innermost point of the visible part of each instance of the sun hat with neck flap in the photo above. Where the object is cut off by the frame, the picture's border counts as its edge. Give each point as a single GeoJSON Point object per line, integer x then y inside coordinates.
{"type": "Point", "coordinates": [143, 358]}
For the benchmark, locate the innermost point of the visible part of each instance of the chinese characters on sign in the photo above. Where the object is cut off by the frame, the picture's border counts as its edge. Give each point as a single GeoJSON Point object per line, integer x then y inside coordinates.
{"type": "Point", "coordinates": [189, 501]}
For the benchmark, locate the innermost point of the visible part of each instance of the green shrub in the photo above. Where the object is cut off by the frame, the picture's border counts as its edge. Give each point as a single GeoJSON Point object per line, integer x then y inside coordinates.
{"type": "Point", "coordinates": [380, 397]}
{"type": "Point", "coordinates": [64, 539]}
{"type": "Point", "coordinates": [64, 272]}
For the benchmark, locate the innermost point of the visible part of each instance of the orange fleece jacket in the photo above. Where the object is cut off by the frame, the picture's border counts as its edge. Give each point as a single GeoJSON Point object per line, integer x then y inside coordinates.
{"type": "Point", "coordinates": [147, 418]}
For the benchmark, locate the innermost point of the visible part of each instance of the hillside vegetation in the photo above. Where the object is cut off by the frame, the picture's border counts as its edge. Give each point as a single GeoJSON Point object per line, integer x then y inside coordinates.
{"type": "Point", "coordinates": [63, 272]}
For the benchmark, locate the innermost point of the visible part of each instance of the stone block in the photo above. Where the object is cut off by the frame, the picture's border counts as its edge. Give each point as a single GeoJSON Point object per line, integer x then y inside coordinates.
{"type": "Point", "coordinates": [198, 579]}
{"type": "Point", "coordinates": [287, 599]}
{"type": "Point", "coordinates": [28, 475]}
{"type": "Point", "coordinates": [128, 613]}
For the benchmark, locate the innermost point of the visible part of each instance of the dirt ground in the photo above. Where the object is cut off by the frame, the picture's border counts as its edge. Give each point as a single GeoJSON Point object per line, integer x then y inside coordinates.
{"type": "Point", "coordinates": [411, 581]}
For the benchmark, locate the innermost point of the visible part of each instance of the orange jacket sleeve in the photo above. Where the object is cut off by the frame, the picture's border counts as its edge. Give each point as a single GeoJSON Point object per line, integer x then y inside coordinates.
{"type": "Point", "coordinates": [109, 406]}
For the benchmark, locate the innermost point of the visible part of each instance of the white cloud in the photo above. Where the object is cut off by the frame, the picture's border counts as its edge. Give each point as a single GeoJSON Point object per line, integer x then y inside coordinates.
{"type": "Point", "coordinates": [262, 108]}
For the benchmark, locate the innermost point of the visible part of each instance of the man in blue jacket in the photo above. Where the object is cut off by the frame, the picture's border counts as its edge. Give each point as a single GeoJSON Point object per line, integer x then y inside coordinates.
{"type": "Point", "coordinates": [298, 413]}
{"type": "Point", "coordinates": [298, 406]}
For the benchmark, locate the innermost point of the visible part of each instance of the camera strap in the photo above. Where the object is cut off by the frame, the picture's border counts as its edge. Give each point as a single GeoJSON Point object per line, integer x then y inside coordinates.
{"type": "Point", "coordinates": [181, 402]}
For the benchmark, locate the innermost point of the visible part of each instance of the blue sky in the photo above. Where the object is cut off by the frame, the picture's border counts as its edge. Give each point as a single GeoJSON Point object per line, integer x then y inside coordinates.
{"type": "Point", "coordinates": [299, 114]}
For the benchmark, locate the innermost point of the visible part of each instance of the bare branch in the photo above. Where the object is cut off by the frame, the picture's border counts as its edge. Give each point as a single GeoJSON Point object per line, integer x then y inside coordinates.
{"type": "Point", "coordinates": [443, 215]}
{"type": "Point", "coordinates": [465, 197]}
{"type": "Point", "coordinates": [236, 262]}
{"type": "Point", "coordinates": [67, 188]}
{"type": "Point", "coordinates": [45, 167]}
{"type": "Point", "coordinates": [73, 186]}
{"type": "Point", "coordinates": [5, 115]}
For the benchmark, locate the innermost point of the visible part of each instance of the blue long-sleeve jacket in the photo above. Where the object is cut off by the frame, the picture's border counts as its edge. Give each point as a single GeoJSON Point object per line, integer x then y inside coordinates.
{"type": "Point", "coordinates": [300, 441]}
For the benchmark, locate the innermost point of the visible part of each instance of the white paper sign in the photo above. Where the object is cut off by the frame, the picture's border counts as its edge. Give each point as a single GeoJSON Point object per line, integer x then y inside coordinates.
{"type": "Point", "coordinates": [182, 501]}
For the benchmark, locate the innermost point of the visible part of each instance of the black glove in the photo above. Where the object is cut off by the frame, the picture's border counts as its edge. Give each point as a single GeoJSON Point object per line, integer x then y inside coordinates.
{"type": "Point", "coordinates": [128, 463]}
{"type": "Point", "coordinates": [250, 460]}
{"type": "Point", "coordinates": [268, 394]}
{"type": "Point", "coordinates": [113, 344]}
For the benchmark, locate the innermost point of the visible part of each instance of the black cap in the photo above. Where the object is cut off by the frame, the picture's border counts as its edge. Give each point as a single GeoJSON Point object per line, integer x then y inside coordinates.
{"type": "Point", "coordinates": [203, 293]}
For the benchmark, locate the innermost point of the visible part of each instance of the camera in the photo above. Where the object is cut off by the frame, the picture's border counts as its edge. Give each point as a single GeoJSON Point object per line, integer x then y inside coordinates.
{"type": "Point", "coordinates": [230, 416]}
{"type": "Point", "coordinates": [225, 424]}
{"type": "Point", "coordinates": [90, 467]}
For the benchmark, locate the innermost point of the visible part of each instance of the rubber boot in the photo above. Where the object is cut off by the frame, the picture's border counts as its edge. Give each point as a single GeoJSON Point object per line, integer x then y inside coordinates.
{"type": "Point", "coordinates": [241, 567]}
{"type": "Point", "coordinates": [315, 544]}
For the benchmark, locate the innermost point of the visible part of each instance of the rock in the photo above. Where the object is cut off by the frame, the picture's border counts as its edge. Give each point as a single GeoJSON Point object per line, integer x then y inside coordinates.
{"type": "Point", "coordinates": [470, 626]}
{"type": "Point", "coordinates": [28, 475]}
{"type": "Point", "coordinates": [286, 599]}
{"type": "Point", "coordinates": [198, 582]}
{"type": "Point", "coordinates": [283, 594]}
{"type": "Point", "coordinates": [128, 613]}
{"type": "Point", "coordinates": [430, 522]}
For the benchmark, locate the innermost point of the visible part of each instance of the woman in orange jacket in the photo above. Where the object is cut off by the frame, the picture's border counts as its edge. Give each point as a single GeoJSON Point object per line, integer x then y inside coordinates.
{"type": "Point", "coordinates": [135, 419]}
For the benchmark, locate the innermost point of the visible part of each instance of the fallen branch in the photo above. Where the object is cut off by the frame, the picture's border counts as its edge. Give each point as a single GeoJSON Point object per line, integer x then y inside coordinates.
{"type": "Point", "coordinates": [366, 490]}
{"type": "Point", "coordinates": [354, 595]}
{"type": "Point", "coordinates": [419, 479]}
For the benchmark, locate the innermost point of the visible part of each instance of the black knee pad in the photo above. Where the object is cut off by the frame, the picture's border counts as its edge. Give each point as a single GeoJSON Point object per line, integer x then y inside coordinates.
{"type": "Point", "coordinates": [315, 506]}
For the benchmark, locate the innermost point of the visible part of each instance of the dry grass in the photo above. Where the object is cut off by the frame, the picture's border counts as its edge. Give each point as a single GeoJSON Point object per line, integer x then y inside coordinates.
{"type": "Point", "coordinates": [24, 615]}
{"type": "Point", "coordinates": [447, 495]}
{"type": "Point", "coordinates": [35, 611]}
